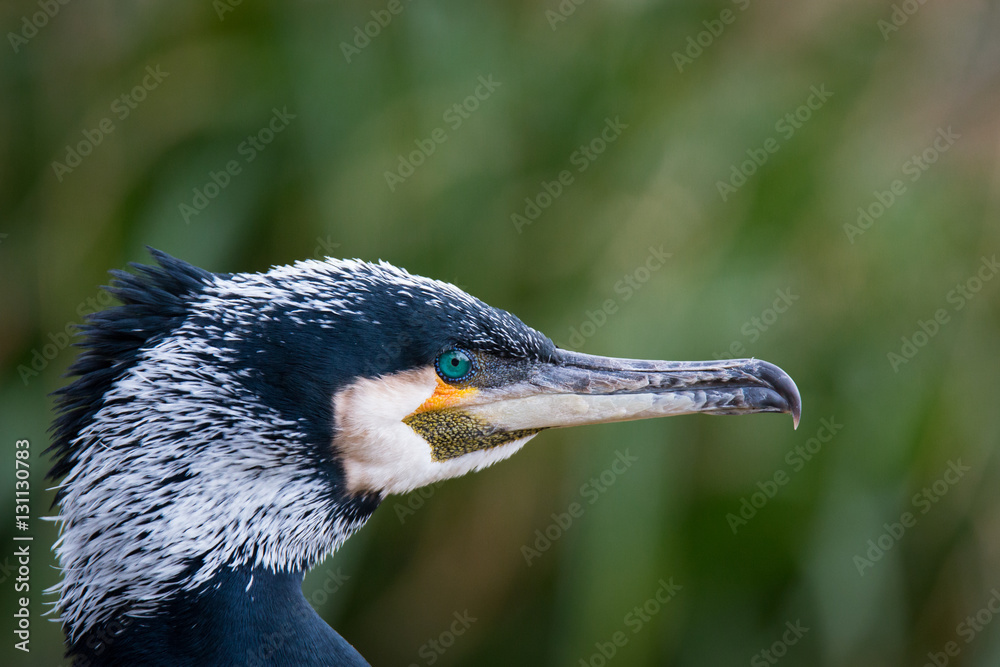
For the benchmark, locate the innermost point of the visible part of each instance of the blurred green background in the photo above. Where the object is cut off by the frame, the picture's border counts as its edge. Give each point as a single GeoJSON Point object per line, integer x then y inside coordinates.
{"type": "Point", "coordinates": [741, 138]}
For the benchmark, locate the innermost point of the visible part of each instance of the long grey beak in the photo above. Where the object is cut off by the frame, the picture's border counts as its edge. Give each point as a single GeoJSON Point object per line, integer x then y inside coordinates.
{"type": "Point", "coordinates": [585, 389]}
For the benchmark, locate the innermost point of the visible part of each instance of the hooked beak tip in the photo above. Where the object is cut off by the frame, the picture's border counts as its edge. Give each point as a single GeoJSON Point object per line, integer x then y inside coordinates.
{"type": "Point", "coordinates": [783, 385]}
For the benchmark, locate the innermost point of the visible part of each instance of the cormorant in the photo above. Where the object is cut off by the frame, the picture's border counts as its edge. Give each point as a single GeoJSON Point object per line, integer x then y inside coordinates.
{"type": "Point", "coordinates": [228, 431]}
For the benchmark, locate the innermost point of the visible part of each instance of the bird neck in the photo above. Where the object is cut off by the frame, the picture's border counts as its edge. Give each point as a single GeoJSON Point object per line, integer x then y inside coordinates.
{"type": "Point", "coordinates": [249, 616]}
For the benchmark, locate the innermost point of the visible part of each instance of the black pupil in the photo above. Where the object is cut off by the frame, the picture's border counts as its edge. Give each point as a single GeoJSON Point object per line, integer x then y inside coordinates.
{"type": "Point", "coordinates": [454, 361]}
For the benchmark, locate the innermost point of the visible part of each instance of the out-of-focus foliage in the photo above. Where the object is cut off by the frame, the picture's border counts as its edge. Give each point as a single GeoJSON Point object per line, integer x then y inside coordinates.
{"type": "Point", "coordinates": [699, 159]}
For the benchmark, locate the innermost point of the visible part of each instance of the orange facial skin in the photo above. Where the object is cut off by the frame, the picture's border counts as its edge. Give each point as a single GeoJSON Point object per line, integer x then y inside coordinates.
{"type": "Point", "coordinates": [446, 396]}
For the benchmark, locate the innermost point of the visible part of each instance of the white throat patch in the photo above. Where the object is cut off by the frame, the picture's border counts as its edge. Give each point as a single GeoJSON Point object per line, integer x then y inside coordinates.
{"type": "Point", "coordinates": [380, 453]}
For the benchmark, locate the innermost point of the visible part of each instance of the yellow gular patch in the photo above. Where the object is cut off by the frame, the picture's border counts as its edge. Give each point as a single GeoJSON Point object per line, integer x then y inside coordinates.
{"type": "Point", "coordinates": [445, 396]}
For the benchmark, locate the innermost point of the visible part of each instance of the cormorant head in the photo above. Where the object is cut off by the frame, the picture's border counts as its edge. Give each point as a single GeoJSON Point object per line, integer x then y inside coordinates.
{"type": "Point", "coordinates": [230, 420]}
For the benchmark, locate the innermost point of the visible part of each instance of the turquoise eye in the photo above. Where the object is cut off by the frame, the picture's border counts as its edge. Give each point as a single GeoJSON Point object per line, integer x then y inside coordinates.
{"type": "Point", "coordinates": [454, 365]}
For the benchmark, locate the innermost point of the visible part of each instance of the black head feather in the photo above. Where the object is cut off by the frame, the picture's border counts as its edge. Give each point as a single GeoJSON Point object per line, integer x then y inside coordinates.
{"type": "Point", "coordinates": [154, 301]}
